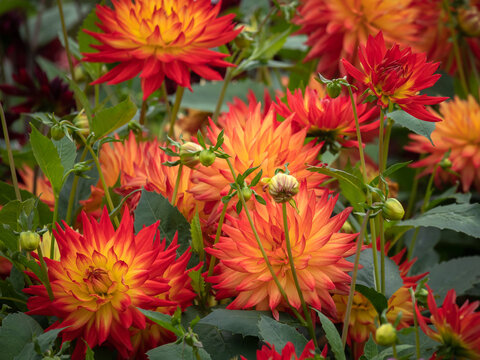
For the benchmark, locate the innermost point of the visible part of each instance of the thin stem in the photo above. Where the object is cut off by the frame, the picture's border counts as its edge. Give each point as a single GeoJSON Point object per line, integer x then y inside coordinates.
{"type": "Point", "coordinates": [376, 274]}
{"type": "Point", "coordinates": [6, 298]}
{"type": "Point", "coordinates": [394, 349]}
{"type": "Point", "coordinates": [54, 226]}
{"type": "Point", "coordinates": [415, 323]}
{"type": "Point", "coordinates": [413, 195]}
{"type": "Point", "coordinates": [43, 267]}
{"type": "Point", "coordinates": [96, 88]}
{"type": "Point", "coordinates": [291, 260]}
{"type": "Point", "coordinates": [165, 99]}
{"type": "Point", "coordinates": [382, 253]}
{"type": "Point", "coordinates": [379, 218]}
{"type": "Point", "coordinates": [73, 191]}
{"type": "Point", "coordinates": [381, 133]}
{"type": "Point", "coordinates": [10, 154]}
{"type": "Point", "coordinates": [65, 37]}
{"type": "Point", "coordinates": [143, 112]}
{"type": "Point", "coordinates": [176, 107]}
{"type": "Point", "coordinates": [359, 135]}
{"type": "Point", "coordinates": [177, 183]}
{"type": "Point", "coordinates": [388, 132]}
{"type": "Point", "coordinates": [346, 320]}
{"type": "Point", "coordinates": [262, 250]}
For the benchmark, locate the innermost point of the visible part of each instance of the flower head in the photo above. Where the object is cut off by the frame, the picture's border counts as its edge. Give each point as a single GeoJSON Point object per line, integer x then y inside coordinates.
{"type": "Point", "coordinates": [457, 133]}
{"type": "Point", "coordinates": [101, 279]}
{"type": "Point", "coordinates": [283, 187]}
{"type": "Point", "coordinates": [159, 38]}
{"type": "Point", "coordinates": [336, 28]}
{"type": "Point", "coordinates": [457, 329]}
{"type": "Point", "coordinates": [268, 352]}
{"type": "Point", "coordinates": [318, 248]}
{"type": "Point", "coordinates": [396, 76]}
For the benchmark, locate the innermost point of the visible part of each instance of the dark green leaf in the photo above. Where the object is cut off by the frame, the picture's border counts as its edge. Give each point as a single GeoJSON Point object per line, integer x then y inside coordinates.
{"type": "Point", "coordinates": [197, 236]}
{"type": "Point", "coordinates": [388, 353]}
{"type": "Point", "coordinates": [370, 350]}
{"type": "Point", "coordinates": [108, 120]}
{"type": "Point", "coordinates": [176, 352]}
{"type": "Point", "coordinates": [163, 320]}
{"type": "Point", "coordinates": [418, 126]}
{"type": "Point", "coordinates": [242, 322]}
{"type": "Point", "coordinates": [46, 340]}
{"type": "Point", "coordinates": [67, 151]}
{"type": "Point", "coordinates": [339, 175]}
{"type": "Point", "coordinates": [392, 169]}
{"type": "Point", "coordinates": [378, 300]}
{"type": "Point", "coordinates": [17, 330]}
{"type": "Point", "coordinates": [332, 335]}
{"type": "Point", "coordinates": [278, 334]}
{"type": "Point", "coordinates": [90, 355]}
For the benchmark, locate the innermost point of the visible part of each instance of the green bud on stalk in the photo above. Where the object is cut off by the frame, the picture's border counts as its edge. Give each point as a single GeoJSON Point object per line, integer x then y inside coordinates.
{"type": "Point", "coordinates": [386, 335]}
{"type": "Point", "coordinates": [57, 132]}
{"type": "Point", "coordinates": [29, 240]}
{"type": "Point", "coordinates": [393, 210]}
{"type": "Point", "coordinates": [189, 154]}
{"type": "Point", "coordinates": [207, 157]}
{"type": "Point", "coordinates": [334, 89]}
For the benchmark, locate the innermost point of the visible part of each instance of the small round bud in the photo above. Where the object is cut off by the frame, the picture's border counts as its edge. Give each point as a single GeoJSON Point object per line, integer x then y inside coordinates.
{"type": "Point", "coordinates": [80, 168]}
{"type": "Point", "coordinates": [135, 127]}
{"type": "Point", "coordinates": [334, 89]}
{"type": "Point", "coordinates": [347, 228]}
{"type": "Point", "coordinates": [393, 209]}
{"type": "Point", "coordinates": [283, 187]}
{"type": "Point", "coordinates": [189, 154]}
{"type": "Point", "coordinates": [421, 295]}
{"type": "Point", "coordinates": [469, 20]}
{"type": "Point", "coordinates": [445, 163]}
{"type": "Point", "coordinates": [57, 132]}
{"type": "Point", "coordinates": [207, 157]}
{"type": "Point", "coordinates": [81, 122]}
{"type": "Point", "coordinates": [29, 240]}
{"type": "Point", "coordinates": [386, 335]}
{"type": "Point", "coordinates": [247, 193]}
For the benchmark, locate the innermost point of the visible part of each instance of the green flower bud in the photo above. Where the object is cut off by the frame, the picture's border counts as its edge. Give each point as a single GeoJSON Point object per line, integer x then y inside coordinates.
{"type": "Point", "coordinates": [81, 122]}
{"type": "Point", "coordinates": [334, 89]}
{"type": "Point", "coordinates": [80, 168]}
{"type": "Point", "coordinates": [347, 228]}
{"type": "Point", "coordinates": [189, 154]}
{"type": "Point", "coordinates": [283, 187]}
{"type": "Point", "coordinates": [386, 335]}
{"type": "Point", "coordinates": [29, 240]}
{"type": "Point", "coordinates": [207, 157]}
{"type": "Point", "coordinates": [393, 209]}
{"type": "Point", "coordinates": [247, 193]}
{"type": "Point", "coordinates": [57, 132]}
{"type": "Point", "coordinates": [135, 127]}
{"type": "Point", "coordinates": [445, 163]}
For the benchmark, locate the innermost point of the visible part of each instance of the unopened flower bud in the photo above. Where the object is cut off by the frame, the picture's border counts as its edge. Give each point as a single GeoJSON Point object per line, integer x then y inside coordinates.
{"type": "Point", "coordinates": [393, 209]}
{"type": "Point", "coordinates": [347, 228]}
{"type": "Point", "coordinates": [244, 39]}
{"type": "Point", "coordinates": [445, 163]}
{"type": "Point", "coordinates": [421, 295]}
{"type": "Point", "coordinates": [57, 132]}
{"type": "Point", "coordinates": [189, 154]}
{"type": "Point", "coordinates": [29, 240]}
{"type": "Point", "coordinates": [283, 187]}
{"type": "Point", "coordinates": [207, 157]}
{"type": "Point", "coordinates": [81, 122]}
{"type": "Point", "coordinates": [80, 168]}
{"type": "Point", "coordinates": [469, 21]}
{"type": "Point", "coordinates": [334, 89]}
{"type": "Point", "coordinates": [135, 127]}
{"type": "Point", "coordinates": [247, 193]}
{"type": "Point", "coordinates": [386, 335]}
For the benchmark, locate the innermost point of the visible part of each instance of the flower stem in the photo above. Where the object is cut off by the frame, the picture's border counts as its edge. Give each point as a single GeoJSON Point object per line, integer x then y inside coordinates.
{"type": "Point", "coordinates": [143, 113]}
{"type": "Point", "coordinates": [73, 191]}
{"type": "Point", "coordinates": [415, 324]}
{"type": "Point", "coordinates": [11, 161]}
{"type": "Point", "coordinates": [43, 267]}
{"type": "Point", "coordinates": [291, 260]}
{"type": "Point", "coordinates": [394, 349]}
{"type": "Point", "coordinates": [373, 232]}
{"type": "Point", "coordinates": [177, 183]}
{"type": "Point", "coordinates": [6, 298]}
{"type": "Point", "coordinates": [54, 225]}
{"type": "Point", "coordinates": [379, 218]}
{"type": "Point", "coordinates": [346, 320]}
{"type": "Point", "coordinates": [176, 107]}
{"type": "Point", "coordinates": [359, 135]}
{"type": "Point", "coordinates": [65, 38]}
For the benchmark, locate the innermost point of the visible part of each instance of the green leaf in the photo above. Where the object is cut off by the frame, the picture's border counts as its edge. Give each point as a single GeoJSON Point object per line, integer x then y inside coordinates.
{"type": "Point", "coordinates": [17, 331]}
{"type": "Point", "coordinates": [47, 157]}
{"type": "Point", "coordinates": [163, 320]}
{"type": "Point", "coordinates": [153, 207]}
{"type": "Point", "coordinates": [421, 127]}
{"type": "Point", "coordinates": [67, 151]}
{"type": "Point", "coordinates": [370, 350]}
{"type": "Point", "coordinates": [451, 193]}
{"type": "Point", "coordinates": [463, 218]}
{"type": "Point", "coordinates": [378, 300]}
{"type": "Point", "coordinates": [332, 335]}
{"type": "Point", "coordinates": [108, 120]}
{"type": "Point", "coordinates": [388, 353]}
{"type": "Point", "coordinates": [90, 355]}
{"type": "Point", "coordinates": [392, 169]}
{"type": "Point", "coordinates": [242, 322]}
{"type": "Point", "coordinates": [197, 237]}
{"type": "Point", "coordinates": [339, 175]}
{"type": "Point", "coordinates": [278, 334]}
{"type": "Point", "coordinates": [7, 5]}
{"type": "Point", "coordinates": [46, 340]}
{"type": "Point", "coordinates": [460, 274]}
{"type": "Point", "coordinates": [176, 352]}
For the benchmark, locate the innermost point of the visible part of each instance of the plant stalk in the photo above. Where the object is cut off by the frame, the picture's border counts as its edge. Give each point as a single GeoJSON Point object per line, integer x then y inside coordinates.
{"type": "Point", "coordinates": [177, 184]}
{"type": "Point", "coordinates": [73, 191]}
{"type": "Point", "coordinates": [359, 135]}
{"type": "Point", "coordinates": [54, 226]}
{"type": "Point", "coordinates": [43, 266]}
{"type": "Point", "coordinates": [10, 154]}
{"type": "Point", "coordinates": [65, 38]}
{"type": "Point", "coordinates": [176, 107]}
{"type": "Point", "coordinates": [415, 324]}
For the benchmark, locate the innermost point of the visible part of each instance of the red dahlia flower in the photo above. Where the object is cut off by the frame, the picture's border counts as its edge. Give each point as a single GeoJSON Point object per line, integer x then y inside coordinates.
{"type": "Point", "coordinates": [456, 328]}
{"type": "Point", "coordinates": [268, 352]}
{"type": "Point", "coordinates": [100, 280]}
{"type": "Point", "coordinates": [159, 38]}
{"type": "Point", "coordinates": [396, 76]}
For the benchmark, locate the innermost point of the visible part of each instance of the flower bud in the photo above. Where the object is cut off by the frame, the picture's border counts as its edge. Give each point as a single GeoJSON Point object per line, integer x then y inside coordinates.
{"type": "Point", "coordinates": [469, 21]}
{"type": "Point", "coordinates": [247, 193]}
{"type": "Point", "coordinates": [347, 228]}
{"type": "Point", "coordinates": [80, 168]}
{"type": "Point", "coordinates": [244, 39]}
{"type": "Point", "coordinates": [283, 187]}
{"type": "Point", "coordinates": [445, 163]}
{"type": "Point", "coordinates": [207, 157]}
{"type": "Point", "coordinates": [393, 209]}
{"type": "Point", "coordinates": [334, 89]}
{"type": "Point", "coordinates": [29, 240]}
{"type": "Point", "coordinates": [57, 132]}
{"type": "Point", "coordinates": [386, 335]}
{"type": "Point", "coordinates": [135, 127]}
{"type": "Point", "coordinates": [81, 122]}
{"type": "Point", "coordinates": [189, 154]}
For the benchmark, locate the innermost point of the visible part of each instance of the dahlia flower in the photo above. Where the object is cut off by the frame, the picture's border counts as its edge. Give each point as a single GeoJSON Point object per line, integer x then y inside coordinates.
{"type": "Point", "coordinates": [159, 38]}
{"type": "Point", "coordinates": [268, 352]}
{"type": "Point", "coordinates": [331, 120]}
{"type": "Point", "coordinates": [396, 76]}
{"type": "Point", "coordinates": [254, 140]}
{"type": "Point", "coordinates": [336, 28]}
{"type": "Point", "coordinates": [457, 329]}
{"type": "Point", "coordinates": [317, 246]}
{"type": "Point", "coordinates": [43, 186]}
{"type": "Point", "coordinates": [100, 280]}
{"type": "Point", "coordinates": [457, 133]}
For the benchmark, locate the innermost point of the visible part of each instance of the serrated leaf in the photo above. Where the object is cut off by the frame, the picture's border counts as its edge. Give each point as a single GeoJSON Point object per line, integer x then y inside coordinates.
{"type": "Point", "coordinates": [332, 335]}
{"type": "Point", "coordinates": [176, 352]}
{"type": "Point", "coordinates": [17, 330]}
{"type": "Point", "coordinates": [67, 151]}
{"type": "Point", "coordinates": [47, 158]}
{"type": "Point", "coordinates": [378, 300]}
{"type": "Point", "coordinates": [421, 127]}
{"type": "Point", "coordinates": [163, 320]}
{"type": "Point", "coordinates": [46, 340]}
{"type": "Point", "coordinates": [339, 175]}
{"type": "Point", "coordinates": [278, 334]}
{"type": "Point", "coordinates": [463, 218]}
{"type": "Point", "coordinates": [388, 353]}
{"type": "Point", "coordinates": [392, 169]}
{"type": "Point", "coordinates": [242, 322]}
{"type": "Point", "coordinates": [370, 350]}
{"type": "Point", "coordinates": [108, 120]}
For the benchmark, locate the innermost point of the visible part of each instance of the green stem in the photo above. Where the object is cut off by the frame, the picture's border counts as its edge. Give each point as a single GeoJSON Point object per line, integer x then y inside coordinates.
{"type": "Point", "coordinates": [382, 253]}
{"type": "Point", "coordinates": [176, 107]}
{"type": "Point", "coordinates": [43, 267]}
{"type": "Point", "coordinates": [177, 183]}
{"type": "Point", "coordinates": [388, 132]}
{"type": "Point", "coordinates": [65, 38]}
{"type": "Point", "coordinates": [373, 232]}
{"type": "Point", "coordinates": [291, 260]}
{"type": "Point", "coordinates": [381, 133]}
{"type": "Point", "coordinates": [96, 89]}
{"type": "Point", "coordinates": [394, 349]}
{"type": "Point", "coordinates": [10, 154]}
{"type": "Point", "coordinates": [262, 250]}
{"type": "Point", "coordinates": [73, 191]}
{"type": "Point", "coordinates": [413, 195]}
{"type": "Point", "coordinates": [379, 218]}
{"type": "Point", "coordinates": [359, 135]}
{"type": "Point", "coordinates": [346, 320]}
{"type": "Point", "coordinates": [143, 112]}
{"type": "Point", "coordinates": [6, 298]}
{"type": "Point", "coordinates": [415, 324]}
{"type": "Point", "coordinates": [54, 226]}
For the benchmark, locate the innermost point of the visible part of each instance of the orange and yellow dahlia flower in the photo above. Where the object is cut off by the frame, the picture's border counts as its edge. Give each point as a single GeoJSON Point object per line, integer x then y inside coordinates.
{"type": "Point", "coordinates": [396, 76]}
{"type": "Point", "coordinates": [159, 38]}
{"type": "Point", "coordinates": [100, 280]}
{"type": "Point", "coordinates": [336, 28]}
{"type": "Point", "coordinates": [457, 329]}
{"type": "Point", "coordinates": [318, 248]}
{"type": "Point", "coordinates": [458, 133]}
{"type": "Point", "coordinates": [42, 187]}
